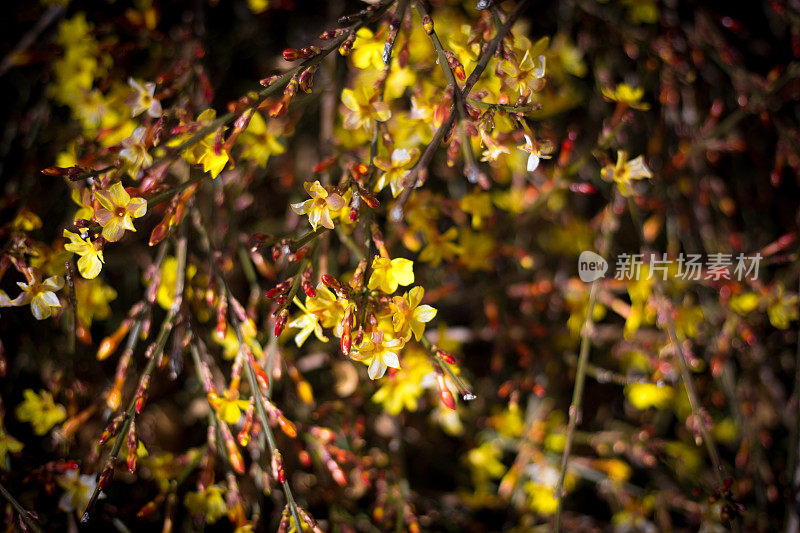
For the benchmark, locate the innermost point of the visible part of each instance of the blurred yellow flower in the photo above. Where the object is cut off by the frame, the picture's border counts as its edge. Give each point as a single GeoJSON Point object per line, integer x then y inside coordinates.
{"type": "Point", "coordinates": [40, 410]}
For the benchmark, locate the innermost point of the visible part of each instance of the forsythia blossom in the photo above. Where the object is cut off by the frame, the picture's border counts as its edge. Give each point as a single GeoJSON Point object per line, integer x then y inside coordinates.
{"type": "Point", "coordinates": [387, 273]}
{"type": "Point", "coordinates": [320, 206]}
{"type": "Point", "coordinates": [624, 172]}
{"type": "Point", "coordinates": [91, 261]}
{"type": "Point", "coordinates": [118, 211]}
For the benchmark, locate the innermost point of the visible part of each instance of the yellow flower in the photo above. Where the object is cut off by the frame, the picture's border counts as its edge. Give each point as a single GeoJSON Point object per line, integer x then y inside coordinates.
{"type": "Point", "coordinates": [91, 261]}
{"type": "Point", "coordinates": [395, 170]}
{"type": "Point", "coordinates": [408, 316]}
{"type": "Point", "coordinates": [202, 153]}
{"type": "Point", "coordinates": [367, 51]}
{"type": "Point", "coordinates": [77, 491]}
{"type": "Point", "coordinates": [230, 344]}
{"type": "Point", "coordinates": [258, 6]}
{"type": "Point", "coordinates": [626, 171]}
{"type": "Point", "coordinates": [83, 198]}
{"type": "Point", "coordinates": [321, 205]}
{"type": "Point", "coordinates": [208, 503]}
{"type": "Point", "coordinates": [402, 390]}
{"type": "Point", "coordinates": [39, 294]}
{"type": "Point", "coordinates": [744, 303]}
{"type": "Point", "coordinates": [118, 211]}
{"type": "Point", "coordinates": [387, 274]}
{"type": "Point", "coordinates": [92, 300]}
{"type": "Point", "coordinates": [493, 148]}
{"type": "Point", "coordinates": [440, 246]}
{"type": "Point", "coordinates": [362, 107]}
{"type": "Point", "coordinates": [541, 490]}
{"type": "Point", "coordinates": [135, 152]}
{"type": "Point", "coordinates": [8, 444]}
{"type": "Point", "coordinates": [328, 309]}
{"type": "Point", "coordinates": [484, 463]}
{"type": "Point", "coordinates": [378, 352]}
{"type": "Point", "coordinates": [528, 73]}
{"type": "Point", "coordinates": [308, 323]}
{"type": "Point", "coordinates": [261, 140]}
{"type": "Point", "coordinates": [26, 220]}
{"type": "Point", "coordinates": [142, 100]}
{"type": "Point", "coordinates": [478, 204]}
{"type": "Point", "coordinates": [616, 469]}
{"type": "Point", "coordinates": [627, 95]}
{"type": "Point", "coordinates": [477, 249]}
{"type": "Point", "coordinates": [169, 276]}
{"type": "Point", "coordinates": [645, 395]}
{"type": "Point", "coordinates": [40, 411]}
{"type": "Point", "coordinates": [228, 406]}
{"type": "Point", "coordinates": [782, 308]}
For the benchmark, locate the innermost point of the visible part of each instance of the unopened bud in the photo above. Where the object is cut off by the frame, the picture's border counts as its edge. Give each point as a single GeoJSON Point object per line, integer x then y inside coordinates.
{"type": "Point", "coordinates": [110, 343]}
{"type": "Point", "coordinates": [280, 322]}
{"type": "Point", "coordinates": [444, 392]}
{"type": "Point", "coordinates": [427, 24]}
{"type": "Point", "coordinates": [277, 466]}
{"type": "Point", "coordinates": [347, 46]}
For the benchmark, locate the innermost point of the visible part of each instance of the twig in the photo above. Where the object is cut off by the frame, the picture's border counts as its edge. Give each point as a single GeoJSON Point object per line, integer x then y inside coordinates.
{"type": "Point", "coordinates": [23, 513]}
{"type": "Point", "coordinates": [30, 36]}
{"type": "Point", "coordinates": [583, 360]}
{"type": "Point", "coordinates": [155, 356]}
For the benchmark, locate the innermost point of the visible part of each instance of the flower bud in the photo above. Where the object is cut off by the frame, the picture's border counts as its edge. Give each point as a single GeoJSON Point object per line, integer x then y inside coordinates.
{"type": "Point", "coordinates": [55, 171]}
{"type": "Point", "coordinates": [161, 230]}
{"type": "Point", "coordinates": [287, 426]}
{"type": "Point", "coordinates": [237, 463]}
{"type": "Point", "coordinates": [347, 46]}
{"type": "Point", "coordinates": [280, 322]}
{"type": "Point", "coordinates": [427, 24]}
{"type": "Point", "coordinates": [110, 343]}
{"type": "Point", "coordinates": [112, 428]}
{"type": "Point", "coordinates": [444, 392]}
{"type": "Point", "coordinates": [291, 54]}
{"type": "Point", "coordinates": [277, 466]}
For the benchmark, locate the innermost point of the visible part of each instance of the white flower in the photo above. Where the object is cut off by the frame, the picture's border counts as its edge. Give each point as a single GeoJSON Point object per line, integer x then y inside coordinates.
{"type": "Point", "coordinates": [135, 152]}
{"type": "Point", "coordinates": [538, 150]}
{"type": "Point", "coordinates": [142, 99]}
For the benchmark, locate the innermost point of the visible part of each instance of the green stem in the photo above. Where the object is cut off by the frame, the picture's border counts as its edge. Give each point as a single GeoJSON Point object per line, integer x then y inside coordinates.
{"type": "Point", "coordinates": [159, 344]}
{"type": "Point", "coordinates": [23, 513]}
{"type": "Point", "coordinates": [583, 364]}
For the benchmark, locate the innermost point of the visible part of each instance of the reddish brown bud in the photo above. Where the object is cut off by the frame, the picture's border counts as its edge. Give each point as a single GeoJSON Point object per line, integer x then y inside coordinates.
{"type": "Point", "coordinates": [280, 322]}
{"type": "Point", "coordinates": [291, 54]}
{"type": "Point", "coordinates": [330, 281]}
{"type": "Point", "coordinates": [347, 46]}
{"type": "Point", "coordinates": [112, 428]}
{"type": "Point", "coordinates": [306, 81]}
{"type": "Point", "coordinates": [269, 80]}
{"type": "Point", "coordinates": [55, 171]}
{"type": "Point", "coordinates": [161, 231]}
{"type": "Point", "coordinates": [106, 477]}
